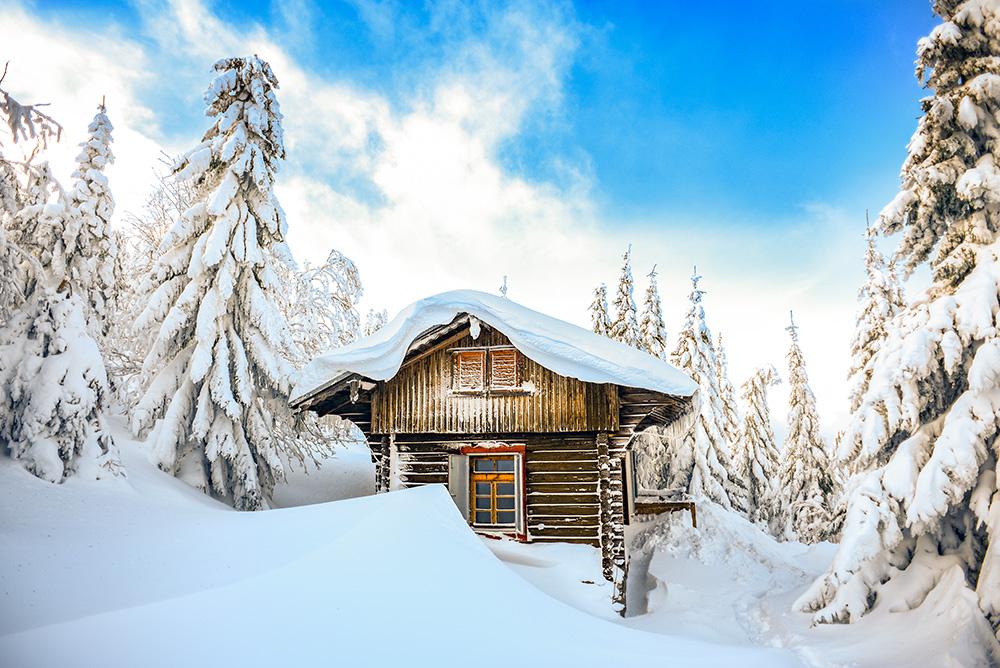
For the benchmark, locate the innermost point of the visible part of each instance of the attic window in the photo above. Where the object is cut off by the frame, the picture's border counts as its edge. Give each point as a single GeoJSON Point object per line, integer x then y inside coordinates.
{"type": "Point", "coordinates": [482, 369]}
{"type": "Point", "coordinates": [470, 369]}
{"type": "Point", "coordinates": [503, 369]}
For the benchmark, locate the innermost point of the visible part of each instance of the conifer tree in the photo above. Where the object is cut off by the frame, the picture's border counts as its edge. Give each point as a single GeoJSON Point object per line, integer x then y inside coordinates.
{"type": "Point", "coordinates": [879, 299]}
{"type": "Point", "coordinates": [625, 328]}
{"type": "Point", "coordinates": [220, 361]}
{"type": "Point", "coordinates": [53, 389]}
{"type": "Point", "coordinates": [52, 379]}
{"type": "Point", "coordinates": [926, 429]}
{"type": "Point", "coordinates": [730, 413]}
{"type": "Point", "coordinates": [599, 311]}
{"type": "Point", "coordinates": [91, 252]}
{"type": "Point", "coordinates": [805, 481]}
{"type": "Point", "coordinates": [699, 463]}
{"type": "Point", "coordinates": [756, 460]}
{"type": "Point", "coordinates": [652, 332]}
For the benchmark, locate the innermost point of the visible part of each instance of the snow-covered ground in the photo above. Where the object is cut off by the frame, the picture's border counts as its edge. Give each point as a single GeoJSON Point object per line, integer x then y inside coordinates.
{"type": "Point", "coordinates": [147, 571]}
{"type": "Point", "coordinates": [347, 475]}
{"type": "Point", "coordinates": [728, 583]}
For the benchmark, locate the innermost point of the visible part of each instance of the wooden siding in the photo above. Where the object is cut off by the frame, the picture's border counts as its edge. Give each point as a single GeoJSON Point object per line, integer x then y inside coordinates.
{"type": "Point", "coordinates": [563, 503]}
{"type": "Point", "coordinates": [420, 399]}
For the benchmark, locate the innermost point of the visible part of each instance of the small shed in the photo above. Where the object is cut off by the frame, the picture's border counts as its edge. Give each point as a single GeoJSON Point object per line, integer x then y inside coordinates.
{"type": "Point", "coordinates": [527, 419]}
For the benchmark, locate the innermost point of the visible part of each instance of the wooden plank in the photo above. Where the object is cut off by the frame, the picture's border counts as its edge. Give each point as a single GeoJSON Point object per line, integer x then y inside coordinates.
{"type": "Point", "coordinates": [562, 532]}
{"type": "Point", "coordinates": [582, 476]}
{"type": "Point", "coordinates": [562, 455]}
{"type": "Point", "coordinates": [535, 487]}
{"type": "Point", "coordinates": [578, 540]}
{"type": "Point", "coordinates": [564, 510]}
{"type": "Point", "coordinates": [555, 499]}
{"type": "Point", "coordinates": [581, 523]}
{"type": "Point", "coordinates": [534, 466]}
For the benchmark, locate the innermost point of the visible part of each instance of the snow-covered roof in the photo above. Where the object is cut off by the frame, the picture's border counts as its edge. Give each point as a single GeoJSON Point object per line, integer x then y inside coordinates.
{"type": "Point", "coordinates": [557, 345]}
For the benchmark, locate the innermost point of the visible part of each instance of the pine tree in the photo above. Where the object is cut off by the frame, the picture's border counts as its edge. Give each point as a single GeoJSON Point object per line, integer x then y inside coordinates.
{"type": "Point", "coordinates": [599, 311]}
{"type": "Point", "coordinates": [652, 332]}
{"type": "Point", "coordinates": [220, 362]}
{"type": "Point", "coordinates": [625, 328]}
{"type": "Point", "coordinates": [727, 395]}
{"type": "Point", "coordinates": [52, 379]}
{"type": "Point", "coordinates": [91, 252]}
{"type": "Point", "coordinates": [138, 245]}
{"type": "Point", "coordinates": [926, 429]}
{"type": "Point", "coordinates": [53, 389]}
{"type": "Point", "coordinates": [805, 481]}
{"type": "Point", "coordinates": [699, 462]}
{"type": "Point", "coordinates": [756, 460]}
{"type": "Point", "coordinates": [879, 299]}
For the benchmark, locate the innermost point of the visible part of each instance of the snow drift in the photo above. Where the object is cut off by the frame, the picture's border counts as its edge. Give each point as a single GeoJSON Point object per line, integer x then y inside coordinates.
{"type": "Point", "coordinates": [148, 572]}
{"type": "Point", "coordinates": [567, 349]}
{"type": "Point", "coordinates": [729, 581]}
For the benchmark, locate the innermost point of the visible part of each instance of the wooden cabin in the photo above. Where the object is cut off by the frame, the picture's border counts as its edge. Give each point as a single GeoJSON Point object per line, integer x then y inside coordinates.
{"type": "Point", "coordinates": [526, 419]}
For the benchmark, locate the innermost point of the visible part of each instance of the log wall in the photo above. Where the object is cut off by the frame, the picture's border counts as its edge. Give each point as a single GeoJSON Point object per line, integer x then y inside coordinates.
{"type": "Point", "coordinates": [563, 502]}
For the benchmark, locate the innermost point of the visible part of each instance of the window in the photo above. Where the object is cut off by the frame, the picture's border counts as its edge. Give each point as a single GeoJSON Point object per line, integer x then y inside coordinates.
{"type": "Point", "coordinates": [471, 373]}
{"type": "Point", "coordinates": [493, 491]}
{"type": "Point", "coordinates": [503, 369]}
{"type": "Point", "coordinates": [470, 369]}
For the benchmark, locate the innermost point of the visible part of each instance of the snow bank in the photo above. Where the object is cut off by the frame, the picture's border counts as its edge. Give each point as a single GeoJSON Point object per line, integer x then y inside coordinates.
{"type": "Point", "coordinates": [557, 345]}
{"type": "Point", "coordinates": [148, 572]}
{"type": "Point", "coordinates": [728, 581]}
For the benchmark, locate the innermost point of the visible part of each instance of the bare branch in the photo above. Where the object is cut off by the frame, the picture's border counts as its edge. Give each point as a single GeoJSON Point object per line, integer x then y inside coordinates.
{"type": "Point", "coordinates": [25, 121]}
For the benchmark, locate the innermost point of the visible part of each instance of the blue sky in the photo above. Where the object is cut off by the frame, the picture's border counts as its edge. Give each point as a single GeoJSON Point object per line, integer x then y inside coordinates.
{"type": "Point", "coordinates": [753, 108]}
{"type": "Point", "coordinates": [442, 145]}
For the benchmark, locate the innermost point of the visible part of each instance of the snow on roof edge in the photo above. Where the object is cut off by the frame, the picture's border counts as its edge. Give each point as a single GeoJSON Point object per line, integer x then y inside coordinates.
{"type": "Point", "coordinates": [562, 347]}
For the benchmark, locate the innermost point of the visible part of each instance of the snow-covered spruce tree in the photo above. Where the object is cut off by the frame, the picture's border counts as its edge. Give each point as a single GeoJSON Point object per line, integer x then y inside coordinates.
{"type": "Point", "coordinates": [727, 395]}
{"type": "Point", "coordinates": [927, 427]}
{"type": "Point", "coordinates": [53, 388]}
{"type": "Point", "coordinates": [652, 331]}
{"type": "Point", "coordinates": [220, 362]}
{"type": "Point", "coordinates": [755, 461]}
{"type": "Point", "coordinates": [879, 299]}
{"type": "Point", "coordinates": [52, 379]}
{"type": "Point", "coordinates": [625, 327]}
{"type": "Point", "coordinates": [699, 462]}
{"type": "Point", "coordinates": [90, 256]}
{"type": "Point", "coordinates": [138, 245]}
{"type": "Point", "coordinates": [599, 317]}
{"type": "Point", "coordinates": [805, 483]}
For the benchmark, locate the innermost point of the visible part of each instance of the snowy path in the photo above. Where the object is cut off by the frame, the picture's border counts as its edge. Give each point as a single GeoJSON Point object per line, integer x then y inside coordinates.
{"type": "Point", "coordinates": [149, 572]}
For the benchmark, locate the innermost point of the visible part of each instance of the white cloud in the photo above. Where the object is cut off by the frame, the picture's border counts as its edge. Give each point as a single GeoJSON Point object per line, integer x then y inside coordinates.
{"type": "Point", "coordinates": [73, 70]}
{"type": "Point", "coordinates": [417, 195]}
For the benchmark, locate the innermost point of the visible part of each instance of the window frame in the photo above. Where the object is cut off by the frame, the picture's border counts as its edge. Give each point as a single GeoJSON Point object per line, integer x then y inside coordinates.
{"type": "Point", "coordinates": [493, 478]}
{"type": "Point", "coordinates": [491, 449]}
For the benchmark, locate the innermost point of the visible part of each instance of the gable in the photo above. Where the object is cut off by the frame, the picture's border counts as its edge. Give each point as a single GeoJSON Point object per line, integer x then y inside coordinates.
{"type": "Point", "coordinates": [453, 382]}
